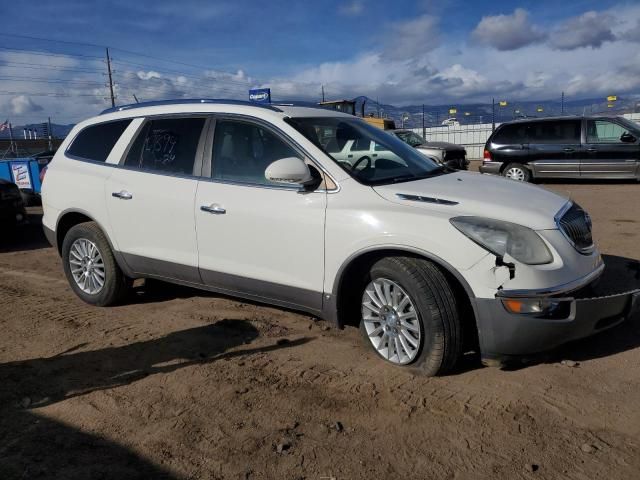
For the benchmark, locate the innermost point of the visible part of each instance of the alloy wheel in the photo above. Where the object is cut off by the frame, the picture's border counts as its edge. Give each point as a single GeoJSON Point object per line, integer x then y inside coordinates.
{"type": "Point", "coordinates": [391, 321]}
{"type": "Point", "coordinates": [515, 173]}
{"type": "Point", "coordinates": [87, 266]}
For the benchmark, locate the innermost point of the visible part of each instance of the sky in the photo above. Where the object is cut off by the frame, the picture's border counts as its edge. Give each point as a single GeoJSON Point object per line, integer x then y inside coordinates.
{"type": "Point", "coordinates": [402, 52]}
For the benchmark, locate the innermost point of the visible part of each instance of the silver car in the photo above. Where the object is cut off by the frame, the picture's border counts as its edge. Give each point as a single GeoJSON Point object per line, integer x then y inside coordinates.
{"type": "Point", "coordinates": [449, 154]}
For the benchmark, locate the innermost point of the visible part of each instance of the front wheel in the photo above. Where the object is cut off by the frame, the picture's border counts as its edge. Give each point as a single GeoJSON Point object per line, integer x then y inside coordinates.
{"type": "Point", "coordinates": [90, 266]}
{"type": "Point", "coordinates": [516, 171]}
{"type": "Point", "coordinates": [409, 315]}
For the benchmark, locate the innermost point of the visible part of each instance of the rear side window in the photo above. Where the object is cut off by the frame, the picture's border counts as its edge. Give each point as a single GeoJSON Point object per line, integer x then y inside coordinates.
{"type": "Point", "coordinates": [565, 131]}
{"type": "Point", "coordinates": [510, 134]}
{"type": "Point", "coordinates": [166, 145]}
{"type": "Point", "coordinates": [361, 145]}
{"type": "Point", "coordinates": [95, 142]}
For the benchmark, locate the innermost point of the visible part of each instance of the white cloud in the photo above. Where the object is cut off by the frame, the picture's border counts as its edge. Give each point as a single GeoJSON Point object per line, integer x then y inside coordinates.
{"type": "Point", "coordinates": [148, 75]}
{"type": "Point", "coordinates": [507, 32]}
{"type": "Point", "coordinates": [591, 29]}
{"type": "Point", "coordinates": [22, 104]}
{"type": "Point", "coordinates": [416, 63]}
{"type": "Point", "coordinates": [633, 34]}
{"type": "Point", "coordinates": [352, 9]}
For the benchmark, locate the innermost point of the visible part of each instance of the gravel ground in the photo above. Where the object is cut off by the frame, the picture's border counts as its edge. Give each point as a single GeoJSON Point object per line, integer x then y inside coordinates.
{"type": "Point", "coordinates": [184, 384]}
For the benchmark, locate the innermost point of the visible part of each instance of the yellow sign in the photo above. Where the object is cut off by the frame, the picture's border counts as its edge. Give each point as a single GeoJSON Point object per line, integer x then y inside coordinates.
{"type": "Point", "coordinates": [453, 110]}
{"type": "Point", "coordinates": [539, 109]}
{"type": "Point", "coordinates": [503, 103]}
{"type": "Point", "coordinates": [610, 105]}
{"type": "Point", "coordinates": [612, 98]}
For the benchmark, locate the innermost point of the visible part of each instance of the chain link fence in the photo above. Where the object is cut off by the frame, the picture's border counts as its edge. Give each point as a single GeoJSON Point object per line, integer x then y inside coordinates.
{"type": "Point", "coordinates": [473, 137]}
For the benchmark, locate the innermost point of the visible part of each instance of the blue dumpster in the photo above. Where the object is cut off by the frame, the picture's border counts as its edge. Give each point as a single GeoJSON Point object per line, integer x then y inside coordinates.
{"type": "Point", "coordinates": [24, 172]}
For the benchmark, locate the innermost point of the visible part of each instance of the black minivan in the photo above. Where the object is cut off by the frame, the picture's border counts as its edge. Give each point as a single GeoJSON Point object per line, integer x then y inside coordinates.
{"type": "Point", "coordinates": [564, 147]}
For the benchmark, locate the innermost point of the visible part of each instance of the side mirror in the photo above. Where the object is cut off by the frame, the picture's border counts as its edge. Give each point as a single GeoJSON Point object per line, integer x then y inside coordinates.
{"type": "Point", "coordinates": [290, 171]}
{"type": "Point", "coordinates": [626, 137]}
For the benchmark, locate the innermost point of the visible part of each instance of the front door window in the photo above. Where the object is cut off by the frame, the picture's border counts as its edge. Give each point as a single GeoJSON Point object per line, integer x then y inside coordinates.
{"type": "Point", "coordinates": [242, 151]}
{"type": "Point", "coordinates": [604, 131]}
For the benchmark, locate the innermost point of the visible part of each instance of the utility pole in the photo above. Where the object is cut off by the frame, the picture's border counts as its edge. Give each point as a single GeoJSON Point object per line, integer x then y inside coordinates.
{"type": "Point", "coordinates": [424, 131]}
{"type": "Point", "coordinates": [50, 134]}
{"type": "Point", "coordinates": [562, 104]}
{"type": "Point", "coordinates": [493, 114]}
{"type": "Point", "coordinates": [12, 147]}
{"type": "Point", "coordinates": [113, 98]}
{"type": "Point", "coordinates": [322, 86]}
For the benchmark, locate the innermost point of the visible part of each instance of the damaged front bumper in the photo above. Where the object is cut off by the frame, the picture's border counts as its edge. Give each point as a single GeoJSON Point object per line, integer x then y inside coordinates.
{"type": "Point", "coordinates": [520, 322]}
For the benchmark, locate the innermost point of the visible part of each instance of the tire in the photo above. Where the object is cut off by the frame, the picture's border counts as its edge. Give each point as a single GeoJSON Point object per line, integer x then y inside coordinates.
{"type": "Point", "coordinates": [518, 172]}
{"type": "Point", "coordinates": [115, 285]}
{"type": "Point", "coordinates": [439, 343]}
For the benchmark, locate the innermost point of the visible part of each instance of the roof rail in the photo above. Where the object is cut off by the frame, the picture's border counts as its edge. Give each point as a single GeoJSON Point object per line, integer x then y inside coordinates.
{"type": "Point", "coordinates": [189, 101]}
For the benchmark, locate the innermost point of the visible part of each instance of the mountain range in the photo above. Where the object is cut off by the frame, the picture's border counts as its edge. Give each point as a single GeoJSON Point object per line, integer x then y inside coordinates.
{"type": "Point", "coordinates": [466, 113]}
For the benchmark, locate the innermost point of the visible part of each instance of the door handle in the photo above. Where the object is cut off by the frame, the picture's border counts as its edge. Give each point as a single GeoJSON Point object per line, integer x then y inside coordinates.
{"type": "Point", "coordinates": [215, 209]}
{"type": "Point", "coordinates": [122, 195]}
{"type": "Point", "coordinates": [592, 150]}
{"type": "Point", "coordinates": [569, 149]}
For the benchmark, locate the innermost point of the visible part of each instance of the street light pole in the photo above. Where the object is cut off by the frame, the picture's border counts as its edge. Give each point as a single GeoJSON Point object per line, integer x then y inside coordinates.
{"type": "Point", "coordinates": [493, 114]}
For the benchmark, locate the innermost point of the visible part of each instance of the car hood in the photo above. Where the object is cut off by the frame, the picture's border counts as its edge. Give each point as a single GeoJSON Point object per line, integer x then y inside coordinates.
{"type": "Point", "coordinates": [470, 193]}
{"type": "Point", "coordinates": [441, 146]}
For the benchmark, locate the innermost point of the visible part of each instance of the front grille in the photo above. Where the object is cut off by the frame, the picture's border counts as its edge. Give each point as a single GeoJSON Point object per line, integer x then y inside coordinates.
{"type": "Point", "coordinates": [576, 226]}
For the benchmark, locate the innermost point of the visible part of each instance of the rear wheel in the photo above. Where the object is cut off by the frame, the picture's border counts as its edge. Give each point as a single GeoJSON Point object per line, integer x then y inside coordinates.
{"type": "Point", "coordinates": [409, 315]}
{"type": "Point", "coordinates": [90, 266]}
{"type": "Point", "coordinates": [516, 171]}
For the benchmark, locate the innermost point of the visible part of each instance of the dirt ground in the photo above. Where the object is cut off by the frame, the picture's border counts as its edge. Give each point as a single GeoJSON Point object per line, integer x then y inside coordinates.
{"type": "Point", "coordinates": [181, 384]}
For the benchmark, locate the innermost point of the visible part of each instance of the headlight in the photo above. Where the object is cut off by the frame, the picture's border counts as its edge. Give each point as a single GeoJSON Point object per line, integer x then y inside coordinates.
{"type": "Point", "coordinates": [500, 238]}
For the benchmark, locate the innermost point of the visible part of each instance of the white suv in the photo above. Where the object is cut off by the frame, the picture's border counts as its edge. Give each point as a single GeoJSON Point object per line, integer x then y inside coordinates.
{"type": "Point", "coordinates": [248, 200]}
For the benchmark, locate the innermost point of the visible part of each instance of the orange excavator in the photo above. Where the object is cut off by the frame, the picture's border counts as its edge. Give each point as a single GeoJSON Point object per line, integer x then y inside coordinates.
{"type": "Point", "coordinates": [349, 106]}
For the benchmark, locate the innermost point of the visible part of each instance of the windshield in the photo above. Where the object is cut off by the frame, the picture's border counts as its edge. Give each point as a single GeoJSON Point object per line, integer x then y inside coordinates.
{"type": "Point", "coordinates": [410, 138]}
{"type": "Point", "coordinates": [368, 154]}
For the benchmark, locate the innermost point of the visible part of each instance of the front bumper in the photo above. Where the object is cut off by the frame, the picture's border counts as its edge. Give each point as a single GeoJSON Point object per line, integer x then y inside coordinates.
{"type": "Point", "coordinates": [505, 334]}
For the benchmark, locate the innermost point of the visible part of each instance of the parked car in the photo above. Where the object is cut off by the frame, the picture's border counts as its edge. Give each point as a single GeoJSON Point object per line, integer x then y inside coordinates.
{"type": "Point", "coordinates": [257, 202]}
{"type": "Point", "coordinates": [449, 154]}
{"type": "Point", "coordinates": [12, 210]}
{"type": "Point", "coordinates": [564, 147]}
{"type": "Point", "coordinates": [450, 122]}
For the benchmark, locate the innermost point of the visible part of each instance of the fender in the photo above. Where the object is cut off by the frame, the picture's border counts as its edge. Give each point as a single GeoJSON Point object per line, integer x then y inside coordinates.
{"type": "Point", "coordinates": [330, 304]}
{"type": "Point", "coordinates": [116, 254]}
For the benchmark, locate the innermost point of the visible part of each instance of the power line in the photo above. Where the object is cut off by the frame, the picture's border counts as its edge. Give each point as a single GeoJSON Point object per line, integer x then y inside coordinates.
{"type": "Point", "coordinates": [48, 53]}
{"type": "Point", "coordinates": [46, 80]}
{"type": "Point", "coordinates": [51, 40]}
{"type": "Point", "coordinates": [50, 94]}
{"type": "Point", "coordinates": [130, 52]}
{"type": "Point", "coordinates": [49, 67]}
